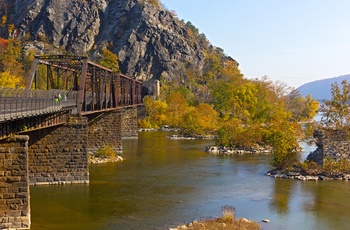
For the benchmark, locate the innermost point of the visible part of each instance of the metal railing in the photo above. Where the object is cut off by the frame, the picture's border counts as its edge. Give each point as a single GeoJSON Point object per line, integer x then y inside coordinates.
{"type": "Point", "coordinates": [17, 103]}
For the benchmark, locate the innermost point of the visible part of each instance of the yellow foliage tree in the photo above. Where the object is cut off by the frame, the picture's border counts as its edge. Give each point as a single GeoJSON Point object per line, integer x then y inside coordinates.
{"type": "Point", "coordinates": [200, 120]}
{"type": "Point", "coordinates": [156, 113]}
{"type": "Point", "coordinates": [109, 60]}
{"type": "Point", "coordinates": [177, 107]}
{"type": "Point", "coordinates": [3, 20]}
{"type": "Point", "coordinates": [9, 81]}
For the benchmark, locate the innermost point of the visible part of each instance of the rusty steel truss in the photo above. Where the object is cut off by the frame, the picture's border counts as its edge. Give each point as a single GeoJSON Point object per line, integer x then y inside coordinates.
{"type": "Point", "coordinates": [60, 85]}
{"type": "Point", "coordinates": [98, 87]}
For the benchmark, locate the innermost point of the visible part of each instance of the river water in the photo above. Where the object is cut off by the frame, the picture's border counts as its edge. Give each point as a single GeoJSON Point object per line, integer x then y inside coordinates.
{"type": "Point", "coordinates": [164, 183]}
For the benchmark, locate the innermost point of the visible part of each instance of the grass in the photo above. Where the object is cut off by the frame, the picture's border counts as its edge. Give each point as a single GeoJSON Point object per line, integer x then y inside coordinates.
{"type": "Point", "coordinates": [227, 221]}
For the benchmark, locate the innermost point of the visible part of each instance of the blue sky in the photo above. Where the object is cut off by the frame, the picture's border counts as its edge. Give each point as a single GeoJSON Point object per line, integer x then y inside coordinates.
{"type": "Point", "coordinates": [294, 41]}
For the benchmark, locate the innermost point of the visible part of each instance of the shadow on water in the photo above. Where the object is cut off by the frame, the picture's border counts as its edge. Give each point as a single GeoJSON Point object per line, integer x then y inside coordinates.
{"type": "Point", "coordinates": [163, 183]}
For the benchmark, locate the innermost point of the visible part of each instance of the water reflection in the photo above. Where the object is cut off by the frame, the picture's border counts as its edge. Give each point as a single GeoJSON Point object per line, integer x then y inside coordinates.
{"type": "Point", "coordinates": [329, 203]}
{"type": "Point", "coordinates": [166, 182]}
{"type": "Point", "coordinates": [281, 196]}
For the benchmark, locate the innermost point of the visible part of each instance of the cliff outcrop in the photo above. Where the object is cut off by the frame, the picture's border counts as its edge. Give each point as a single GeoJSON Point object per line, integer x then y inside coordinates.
{"type": "Point", "coordinates": [150, 41]}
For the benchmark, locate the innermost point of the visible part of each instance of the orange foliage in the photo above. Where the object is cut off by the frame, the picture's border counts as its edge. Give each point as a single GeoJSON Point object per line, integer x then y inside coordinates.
{"type": "Point", "coordinates": [177, 107]}
{"type": "Point", "coordinates": [3, 42]}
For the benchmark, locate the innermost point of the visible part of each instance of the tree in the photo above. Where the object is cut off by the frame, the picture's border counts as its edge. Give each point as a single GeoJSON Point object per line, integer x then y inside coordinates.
{"type": "Point", "coordinates": [302, 108]}
{"type": "Point", "coordinates": [109, 60]}
{"type": "Point", "coordinates": [256, 114]}
{"type": "Point", "coordinates": [9, 81]}
{"type": "Point", "coordinates": [192, 30]}
{"type": "Point", "coordinates": [177, 107]}
{"type": "Point", "coordinates": [200, 120]}
{"type": "Point", "coordinates": [156, 113]}
{"type": "Point", "coordinates": [336, 112]}
{"type": "Point", "coordinates": [11, 60]}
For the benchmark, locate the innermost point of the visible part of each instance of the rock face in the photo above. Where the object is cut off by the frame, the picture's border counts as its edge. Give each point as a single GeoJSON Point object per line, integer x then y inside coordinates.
{"type": "Point", "coordinates": [150, 42]}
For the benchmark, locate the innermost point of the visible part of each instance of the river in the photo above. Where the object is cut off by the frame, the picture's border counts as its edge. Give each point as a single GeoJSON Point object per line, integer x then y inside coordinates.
{"type": "Point", "coordinates": [163, 183]}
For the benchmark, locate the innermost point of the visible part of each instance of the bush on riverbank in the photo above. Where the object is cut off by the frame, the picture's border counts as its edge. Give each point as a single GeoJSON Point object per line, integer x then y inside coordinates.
{"type": "Point", "coordinates": [227, 221]}
{"type": "Point", "coordinates": [106, 151]}
{"type": "Point", "coordinates": [309, 170]}
{"type": "Point", "coordinates": [105, 154]}
{"type": "Point", "coordinates": [329, 167]}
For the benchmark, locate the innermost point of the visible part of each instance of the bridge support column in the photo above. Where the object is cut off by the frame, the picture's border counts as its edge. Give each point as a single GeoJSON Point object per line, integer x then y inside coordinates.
{"type": "Point", "coordinates": [14, 183]}
{"type": "Point", "coordinates": [58, 155]}
{"type": "Point", "coordinates": [129, 123]}
{"type": "Point", "coordinates": [105, 129]}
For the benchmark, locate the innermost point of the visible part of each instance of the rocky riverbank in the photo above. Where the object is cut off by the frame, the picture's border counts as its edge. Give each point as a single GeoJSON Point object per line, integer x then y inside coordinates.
{"type": "Point", "coordinates": [220, 150]}
{"type": "Point", "coordinates": [164, 128]}
{"type": "Point", "coordinates": [189, 137]}
{"type": "Point", "coordinates": [299, 174]}
{"type": "Point", "coordinates": [103, 159]}
{"type": "Point", "coordinates": [219, 223]}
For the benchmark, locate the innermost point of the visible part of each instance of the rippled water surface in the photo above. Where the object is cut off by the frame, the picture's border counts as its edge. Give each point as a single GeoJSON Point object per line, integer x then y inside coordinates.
{"type": "Point", "coordinates": [163, 183]}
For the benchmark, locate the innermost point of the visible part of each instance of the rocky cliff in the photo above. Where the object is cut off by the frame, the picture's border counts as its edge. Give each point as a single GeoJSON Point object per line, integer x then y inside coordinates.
{"type": "Point", "coordinates": [149, 41]}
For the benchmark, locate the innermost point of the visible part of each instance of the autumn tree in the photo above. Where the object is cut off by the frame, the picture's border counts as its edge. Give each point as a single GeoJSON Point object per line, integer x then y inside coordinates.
{"type": "Point", "coordinates": [155, 113]}
{"type": "Point", "coordinates": [109, 60]}
{"type": "Point", "coordinates": [254, 113]}
{"type": "Point", "coordinates": [302, 108]}
{"type": "Point", "coordinates": [9, 81]}
{"type": "Point", "coordinates": [200, 120]}
{"type": "Point", "coordinates": [177, 107]}
{"type": "Point", "coordinates": [11, 61]}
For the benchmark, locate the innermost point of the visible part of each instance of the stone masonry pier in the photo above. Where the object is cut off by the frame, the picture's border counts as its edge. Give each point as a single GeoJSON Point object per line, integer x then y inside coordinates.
{"type": "Point", "coordinates": [58, 155]}
{"type": "Point", "coordinates": [55, 155]}
{"type": "Point", "coordinates": [14, 183]}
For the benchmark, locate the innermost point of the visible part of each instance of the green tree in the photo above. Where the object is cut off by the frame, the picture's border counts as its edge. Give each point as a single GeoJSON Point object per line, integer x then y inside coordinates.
{"type": "Point", "coordinates": [336, 112]}
{"type": "Point", "coordinates": [192, 30]}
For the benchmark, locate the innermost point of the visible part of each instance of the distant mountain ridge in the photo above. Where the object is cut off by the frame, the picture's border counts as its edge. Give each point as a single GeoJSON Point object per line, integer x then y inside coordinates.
{"type": "Point", "coordinates": [321, 89]}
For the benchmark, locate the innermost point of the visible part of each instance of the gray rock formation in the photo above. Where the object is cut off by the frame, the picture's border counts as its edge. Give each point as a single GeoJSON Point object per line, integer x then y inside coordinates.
{"type": "Point", "coordinates": [150, 42]}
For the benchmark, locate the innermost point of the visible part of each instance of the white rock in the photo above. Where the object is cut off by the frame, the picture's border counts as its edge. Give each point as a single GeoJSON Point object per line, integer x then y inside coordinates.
{"type": "Point", "coordinates": [245, 220]}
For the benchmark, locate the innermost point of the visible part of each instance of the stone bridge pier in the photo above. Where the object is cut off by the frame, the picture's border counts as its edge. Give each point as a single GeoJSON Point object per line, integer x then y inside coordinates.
{"type": "Point", "coordinates": [55, 155]}
{"type": "Point", "coordinates": [58, 155]}
{"type": "Point", "coordinates": [14, 183]}
{"type": "Point", "coordinates": [111, 127]}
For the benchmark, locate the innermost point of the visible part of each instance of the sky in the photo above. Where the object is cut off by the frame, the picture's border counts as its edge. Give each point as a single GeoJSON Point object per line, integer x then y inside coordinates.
{"type": "Point", "coordinates": [293, 41]}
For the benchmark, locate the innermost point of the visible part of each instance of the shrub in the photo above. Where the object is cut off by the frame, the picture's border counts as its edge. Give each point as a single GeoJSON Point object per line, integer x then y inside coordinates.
{"type": "Point", "coordinates": [106, 151]}
{"type": "Point", "coordinates": [310, 167]}
{"type": "Point", "coordinates": [228, 213]}
{"type": "Point", "coordinates": [332, 167]}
